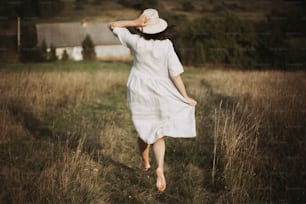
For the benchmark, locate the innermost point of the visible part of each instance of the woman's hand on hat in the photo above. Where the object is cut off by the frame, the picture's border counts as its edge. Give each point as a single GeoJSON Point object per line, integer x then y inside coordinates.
{"type": "Point", "coordinates": [141, 21]}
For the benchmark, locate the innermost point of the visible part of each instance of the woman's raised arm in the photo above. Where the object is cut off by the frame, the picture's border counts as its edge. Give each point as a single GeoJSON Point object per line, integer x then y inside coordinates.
{"type": "Point", "coordinates": [138, 22]}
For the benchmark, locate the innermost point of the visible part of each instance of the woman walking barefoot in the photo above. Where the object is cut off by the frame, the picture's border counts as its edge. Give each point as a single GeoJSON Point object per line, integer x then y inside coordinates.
{"type": "Point", "coordinates": [159, 103]}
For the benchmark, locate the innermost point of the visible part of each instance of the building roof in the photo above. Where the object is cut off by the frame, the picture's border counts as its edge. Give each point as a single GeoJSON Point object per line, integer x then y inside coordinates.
{"type": "Point", "coordinates": [72, 34]}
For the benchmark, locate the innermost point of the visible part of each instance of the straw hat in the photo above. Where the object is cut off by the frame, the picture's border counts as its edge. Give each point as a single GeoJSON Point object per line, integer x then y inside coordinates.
{"type": "Point", "coordinates": [154, 24]}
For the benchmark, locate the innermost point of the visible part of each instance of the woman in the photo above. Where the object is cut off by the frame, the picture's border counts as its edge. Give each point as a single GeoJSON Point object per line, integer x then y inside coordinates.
{"type": "Point", "coordinates": [157, 97]}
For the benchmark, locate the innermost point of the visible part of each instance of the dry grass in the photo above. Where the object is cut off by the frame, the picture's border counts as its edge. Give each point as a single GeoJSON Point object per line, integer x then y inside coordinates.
{"type": "Point", "coordinates": [67, 137]}
{"type": "Point", "coordinates": [258, 130]}
{"type": "Point", "coordinates": [40, 164]}
{"type": "Point", "coordinates": [74, 178]}
{"type": "Point", "coordinates": [47, 91]}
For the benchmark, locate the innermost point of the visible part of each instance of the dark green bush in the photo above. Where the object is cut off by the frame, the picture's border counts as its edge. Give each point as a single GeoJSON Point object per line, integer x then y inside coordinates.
{"type": "Point", "coordinates": [88, 47]}
{"type": "Point", "coordinates": [225, 39]}
{"type": "Point", "coordinates": [52, 54]}
{"type": "Point", "coordinates": [65, 55]}
{"type": "Point", "coordinates": [279, 42]}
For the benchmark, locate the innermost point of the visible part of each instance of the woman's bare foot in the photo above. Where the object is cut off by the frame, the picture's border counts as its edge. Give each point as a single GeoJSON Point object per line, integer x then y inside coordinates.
{"type": "Point", "coordinates": [160, 180]}
{"type": "Point", "coordinates": [144, 152]}
{"type": "Point", "coordinates": [146, 167]}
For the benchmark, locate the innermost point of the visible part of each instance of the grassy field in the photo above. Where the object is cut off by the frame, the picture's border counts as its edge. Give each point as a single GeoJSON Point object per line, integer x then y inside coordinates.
{"type": "Point", "coordinates": [67, 137]}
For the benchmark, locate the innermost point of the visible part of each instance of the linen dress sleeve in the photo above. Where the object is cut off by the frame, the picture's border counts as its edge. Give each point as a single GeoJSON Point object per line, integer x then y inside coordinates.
{"type": "Point", "coordinates": [175, 66]}
{"type": "Point", "coordinates": [125, 37]}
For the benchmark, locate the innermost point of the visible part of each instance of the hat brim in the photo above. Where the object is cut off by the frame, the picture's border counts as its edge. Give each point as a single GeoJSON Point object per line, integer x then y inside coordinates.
{"type": "Point", "coordinates": [155, 28]}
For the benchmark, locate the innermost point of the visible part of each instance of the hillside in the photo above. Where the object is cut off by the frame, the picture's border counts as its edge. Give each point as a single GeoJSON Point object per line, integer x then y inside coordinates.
{"type": "Point", "coordinates": [108, 10]}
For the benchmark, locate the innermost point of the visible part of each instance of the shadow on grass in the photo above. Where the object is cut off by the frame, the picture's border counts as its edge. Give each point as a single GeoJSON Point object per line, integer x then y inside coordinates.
{"type": "Point", "coordinates": [41, 131]}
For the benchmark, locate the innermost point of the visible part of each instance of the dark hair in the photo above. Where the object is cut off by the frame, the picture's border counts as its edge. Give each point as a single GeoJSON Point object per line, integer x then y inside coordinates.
{"type": "Point", "coordinates": [166, 34]}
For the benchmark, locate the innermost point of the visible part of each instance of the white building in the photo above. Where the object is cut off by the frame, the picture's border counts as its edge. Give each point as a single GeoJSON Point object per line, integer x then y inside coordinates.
{"type": "Point", "coordinates": [69, 37]}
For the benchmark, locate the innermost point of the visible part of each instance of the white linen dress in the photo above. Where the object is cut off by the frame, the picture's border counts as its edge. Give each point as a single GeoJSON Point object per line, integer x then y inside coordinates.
{"type": "Point", "coordinates": [157, 107]}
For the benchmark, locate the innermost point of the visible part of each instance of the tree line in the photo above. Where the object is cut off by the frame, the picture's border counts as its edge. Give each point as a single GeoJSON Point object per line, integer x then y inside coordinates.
{"type": "Point", "coordinates": [234, 42]}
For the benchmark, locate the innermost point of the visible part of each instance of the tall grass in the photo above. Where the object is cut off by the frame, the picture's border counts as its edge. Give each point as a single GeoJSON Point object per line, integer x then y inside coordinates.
{"type": "Point", "coordinates": [72, 178]}
{"type": "Point", "coordinates": [236, 137]}
{"type": "Point", "coordinates": [258, 131]}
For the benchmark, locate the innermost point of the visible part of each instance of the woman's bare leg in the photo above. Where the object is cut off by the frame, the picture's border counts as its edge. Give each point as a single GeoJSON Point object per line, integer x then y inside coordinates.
{"type": "Point", "coordinates": [144, 152]}
{"type": "Point", "coordinates": [159, 149]}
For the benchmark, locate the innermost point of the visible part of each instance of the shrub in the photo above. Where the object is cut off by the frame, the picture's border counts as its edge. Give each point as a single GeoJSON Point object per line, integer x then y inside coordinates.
{"type": "Point", "coordinates": [88, 51]}
{"type": "Point", "coordinates": [52, 54]}
{"type": "Point", "coordinates": [65, 55]}
{"type": "Point", "coordinates": [225, 39]}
